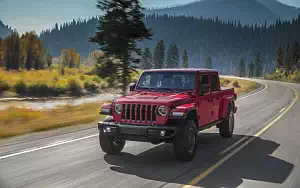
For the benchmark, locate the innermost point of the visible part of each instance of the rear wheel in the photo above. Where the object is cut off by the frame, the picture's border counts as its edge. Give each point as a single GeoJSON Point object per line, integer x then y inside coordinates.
{"type": "Point", "coordinates": [110, 144]}
{"type": "Point", "coordinates": [226, 128]}
{"type": "Point", "coordinates": [184, 144]}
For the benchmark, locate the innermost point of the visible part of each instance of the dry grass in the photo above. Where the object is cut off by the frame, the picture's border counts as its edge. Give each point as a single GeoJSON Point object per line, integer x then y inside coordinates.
{"type": "Point", "coordinates": [244, 86]}
{"type": "Point", "coordinates": [16, 121]}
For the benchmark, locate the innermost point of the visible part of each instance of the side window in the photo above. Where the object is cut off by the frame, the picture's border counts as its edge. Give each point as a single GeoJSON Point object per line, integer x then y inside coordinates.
{"type": "Point", "coordinates": [214, 82]}
{"type": "Point", "coordinates": [203, 85]}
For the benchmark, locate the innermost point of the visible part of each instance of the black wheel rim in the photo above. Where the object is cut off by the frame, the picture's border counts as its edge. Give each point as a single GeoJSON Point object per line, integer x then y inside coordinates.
{"type": "Point", "coordinates": [192, 140]}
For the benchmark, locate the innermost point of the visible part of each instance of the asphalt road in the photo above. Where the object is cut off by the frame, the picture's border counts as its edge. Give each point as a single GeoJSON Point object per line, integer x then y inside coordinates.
{"type": "Point", "coordinates": [266, 157]}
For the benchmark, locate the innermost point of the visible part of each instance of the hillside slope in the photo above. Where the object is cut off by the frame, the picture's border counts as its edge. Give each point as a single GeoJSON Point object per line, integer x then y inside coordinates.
{"type": "Point", "coordinates": [247, 11]}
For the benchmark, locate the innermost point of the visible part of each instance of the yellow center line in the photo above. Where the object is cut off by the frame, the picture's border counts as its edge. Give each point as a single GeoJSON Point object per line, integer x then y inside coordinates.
{"type": "Point", "coordinates": [282, 110]}
{"type": "Point", "coordinates": [232, 153]}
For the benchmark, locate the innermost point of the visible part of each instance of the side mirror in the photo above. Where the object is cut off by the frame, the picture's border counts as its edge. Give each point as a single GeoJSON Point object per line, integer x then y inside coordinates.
{"type": "Point", "coordinates": [132, 87]}
{"type": "Point", "coordinates": [204, 89]}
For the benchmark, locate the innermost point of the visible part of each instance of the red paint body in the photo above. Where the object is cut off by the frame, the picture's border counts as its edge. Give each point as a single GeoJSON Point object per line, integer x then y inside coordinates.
{"type": "Point", "coordinates": [211, 107]}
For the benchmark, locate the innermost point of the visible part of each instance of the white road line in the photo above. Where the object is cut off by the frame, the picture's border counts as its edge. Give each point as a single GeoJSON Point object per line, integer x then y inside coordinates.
{"type": "Point", "coordinates": [82, 138]}
{"type": "Point", "coordinates": [255, 92]}
{"type": "Point", "coordinates": [47, 146]}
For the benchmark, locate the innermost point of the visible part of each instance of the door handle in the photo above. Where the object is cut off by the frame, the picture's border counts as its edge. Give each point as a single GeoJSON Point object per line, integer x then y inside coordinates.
{"type": "Point", "coordinates": [210, 100]}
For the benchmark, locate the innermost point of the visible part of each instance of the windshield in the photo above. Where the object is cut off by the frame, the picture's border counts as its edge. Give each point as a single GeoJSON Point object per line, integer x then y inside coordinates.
{"type": "Point", "coordinates": [173, 81]}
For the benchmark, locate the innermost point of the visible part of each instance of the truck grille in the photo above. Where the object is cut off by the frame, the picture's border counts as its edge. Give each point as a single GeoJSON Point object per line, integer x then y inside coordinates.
{"type": "Point", "coordinates": [139, 113]}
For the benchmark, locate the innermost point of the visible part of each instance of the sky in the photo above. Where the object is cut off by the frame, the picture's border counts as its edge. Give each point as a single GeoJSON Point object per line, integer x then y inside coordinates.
{"type": "Point", "coordinates": [38, 15]}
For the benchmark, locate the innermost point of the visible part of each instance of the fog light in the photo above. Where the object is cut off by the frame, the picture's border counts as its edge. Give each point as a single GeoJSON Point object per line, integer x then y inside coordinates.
{"type": "Point", "coordinates": [162, 133]}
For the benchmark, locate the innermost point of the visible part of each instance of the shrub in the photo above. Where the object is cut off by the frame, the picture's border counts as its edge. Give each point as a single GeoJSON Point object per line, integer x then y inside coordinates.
{"type": "Point", "coordinates": [74, 87]}
{"type": "Point", "coordinates": [90, 86]}
{"type": "Point", "coordinates": [225, 82]}
{"type": "Point", "coordinates": [20, 87]}
{"type": "Point", "coordinates": [3, 85]}
{"type": "Point", "coordinates": [236, 84]}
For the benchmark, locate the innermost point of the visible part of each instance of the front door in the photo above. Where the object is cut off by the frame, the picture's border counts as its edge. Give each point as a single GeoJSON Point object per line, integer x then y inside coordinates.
{"type": "Point", "coordinates": [204, 101]}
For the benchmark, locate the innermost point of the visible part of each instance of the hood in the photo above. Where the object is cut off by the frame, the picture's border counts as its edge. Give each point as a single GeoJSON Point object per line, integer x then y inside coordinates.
{"type": "Point", "coordinates": [154, 98]}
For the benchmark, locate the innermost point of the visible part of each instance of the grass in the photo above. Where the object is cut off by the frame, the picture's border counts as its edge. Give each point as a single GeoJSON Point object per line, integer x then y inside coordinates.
{"type": "Point", "coordinates": [16, 121]}
{"type": "Point", "coordinates": [240, 86]}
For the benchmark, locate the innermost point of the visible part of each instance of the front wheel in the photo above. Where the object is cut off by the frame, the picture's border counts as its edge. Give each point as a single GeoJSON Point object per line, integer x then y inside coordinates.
{"type": "Point", "coordinates": [110, 144]}
{"type": "Point", "coordinates": [184, 144]}
{"type": "Point", "coordinates": [227, 126]}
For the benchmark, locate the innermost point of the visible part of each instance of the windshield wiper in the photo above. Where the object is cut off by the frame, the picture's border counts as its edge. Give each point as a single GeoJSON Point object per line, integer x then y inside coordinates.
{"type": "Point", "coordinates": [148, 88]}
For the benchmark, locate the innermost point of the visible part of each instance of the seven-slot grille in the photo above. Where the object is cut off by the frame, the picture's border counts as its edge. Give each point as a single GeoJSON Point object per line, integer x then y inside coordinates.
{"type": "Point", "coordinates": [139, 112]}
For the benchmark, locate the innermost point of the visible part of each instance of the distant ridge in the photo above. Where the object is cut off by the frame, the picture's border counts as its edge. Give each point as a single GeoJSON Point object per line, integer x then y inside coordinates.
{"type": "Point", "coordinates": [246, 11]}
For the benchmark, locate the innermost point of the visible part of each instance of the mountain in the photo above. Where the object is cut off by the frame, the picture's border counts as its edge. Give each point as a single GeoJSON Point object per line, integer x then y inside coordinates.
{"type": "Point", "coordinates": [285, 12]}
{"type": "Point", "coordinates": [247, 11]}
{"type": "Point", "coordinates": [4, 30]}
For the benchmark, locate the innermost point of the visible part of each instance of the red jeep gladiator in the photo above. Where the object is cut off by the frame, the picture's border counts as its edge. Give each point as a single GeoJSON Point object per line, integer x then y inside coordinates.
{"type": "Point", "coordinates": [169, 106]}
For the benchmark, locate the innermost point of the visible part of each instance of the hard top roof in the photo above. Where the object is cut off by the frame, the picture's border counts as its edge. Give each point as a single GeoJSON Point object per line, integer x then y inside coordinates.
{"type": "Point", "coordinates": [182, 70]}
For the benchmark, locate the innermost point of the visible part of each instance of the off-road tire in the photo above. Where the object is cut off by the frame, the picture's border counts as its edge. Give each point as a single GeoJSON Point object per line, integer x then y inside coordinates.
{"type": "Point", "coordinates": [110, 144]}
{"type": "Point", "coordinates": [183, 146]}
{"type": "Point", "coordinates": [226, 128]}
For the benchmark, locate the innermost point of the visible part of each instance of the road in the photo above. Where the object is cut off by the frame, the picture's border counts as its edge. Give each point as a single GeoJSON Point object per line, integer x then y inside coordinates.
{"type": "Point", "coordinates": [267, 156]}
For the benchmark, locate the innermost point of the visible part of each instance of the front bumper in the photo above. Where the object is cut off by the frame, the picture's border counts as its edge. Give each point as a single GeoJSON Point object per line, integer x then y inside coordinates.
{"type": "Point", "coordinates": [147, 133]}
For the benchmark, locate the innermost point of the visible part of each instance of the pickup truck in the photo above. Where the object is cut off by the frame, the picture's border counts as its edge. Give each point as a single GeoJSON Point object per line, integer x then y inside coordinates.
{"type": "Point", "coordinates": [168, 106]}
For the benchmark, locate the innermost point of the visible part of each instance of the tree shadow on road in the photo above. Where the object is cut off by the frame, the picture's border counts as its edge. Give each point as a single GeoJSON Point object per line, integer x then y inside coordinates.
{"type": "Point", "coordinates": [253, 163]}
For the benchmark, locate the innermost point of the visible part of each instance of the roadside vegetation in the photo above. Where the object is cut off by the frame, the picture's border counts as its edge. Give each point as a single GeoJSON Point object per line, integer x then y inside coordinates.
{"type": "Point", "coordinates": [240, 86]}
{"type": "Point", "coordinates": [16, 121]}
{"type": "Point", "coordinates": [287, 64]}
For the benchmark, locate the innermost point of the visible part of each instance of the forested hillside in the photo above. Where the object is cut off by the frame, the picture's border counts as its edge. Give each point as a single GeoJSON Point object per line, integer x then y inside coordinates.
{"type": "Point", "coordinates": [224, 42]}
{"type": "Point", "coordinates": [4, 30]}
{"type": "Point", "coordinates": [247, 11]}
{"type": "Point", "coordinates": [71, 35]}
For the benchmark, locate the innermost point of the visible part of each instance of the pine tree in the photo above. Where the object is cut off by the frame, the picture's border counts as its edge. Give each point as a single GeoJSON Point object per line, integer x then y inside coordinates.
{"type": "Point", "coordinates": [209, 64]}
{"type": "Point", "coordinates": [185, 59]}
{"type": "Point", "coordinates": [159, 55]}
{"type": "Point", "coordinates": [1, 52]}
{"type": "Point", "coordinates": [251, 68]}
{"type": "Point", "coordinates": [258, 64]}
{"type": "Point", "coordinates": [169, 57]}
{"type": "Point", "coordinates": [295, 55]}
{"type": "Point", "coordinates": [175, 55]}
{"type": "Point", "coordinates": [28, 63]}
{"type": "Point", "coordinates": [121, 26]}
{"type": "Point", "coordinates": [146, 62]}
{"type": "Point", "coordinates": [241, 67]}
{"type": "Point", "coordinates": [279, 58]}
{"type": "Point", "coordinates": [287, 63]}
{"type": "Point", "coordinates": [13, 51]}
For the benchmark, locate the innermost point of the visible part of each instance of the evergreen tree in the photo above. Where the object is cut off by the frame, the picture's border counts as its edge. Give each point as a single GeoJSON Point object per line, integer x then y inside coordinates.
{"type": "Point", "coordinates": [258, 64]}
{"type": "Point", "coordinates": [175, 55]}
{"type": "Point", "coordinates": [159, 55]}
{"type": "Point", "coordinates": [251, 68]}
{"type": "Point", "coordinates": [185, 59]}
{"type": "Point", "coordinates": [12, 51]}
{"type": "Point", "coordinates": [287, 63]}
{"type": "Point", "coordinates": [29, 59]}
{"type": "Point", "coordinates": [49, 60]}
{"type": "Point", "coordinates": [209, 64]}
{"type": "Point", "coordinates": [146, 62]}
{"type": "Point", "coordinates": [121, 26]}
{"type": "Point", "coordinates": [241, 67]}
{"type": "Point", "coordinates": [295, 55]}
{"type": "Point", "coordinates": [279, 58]}
{"type": "Point", "coordinates": [1, 52]}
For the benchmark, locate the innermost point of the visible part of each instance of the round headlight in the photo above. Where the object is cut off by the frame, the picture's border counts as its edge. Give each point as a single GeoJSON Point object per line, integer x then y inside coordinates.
{"type": "Point", "coordinates": [162, 110]}
{"type": "Point", "coordinates": [118, 108]}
